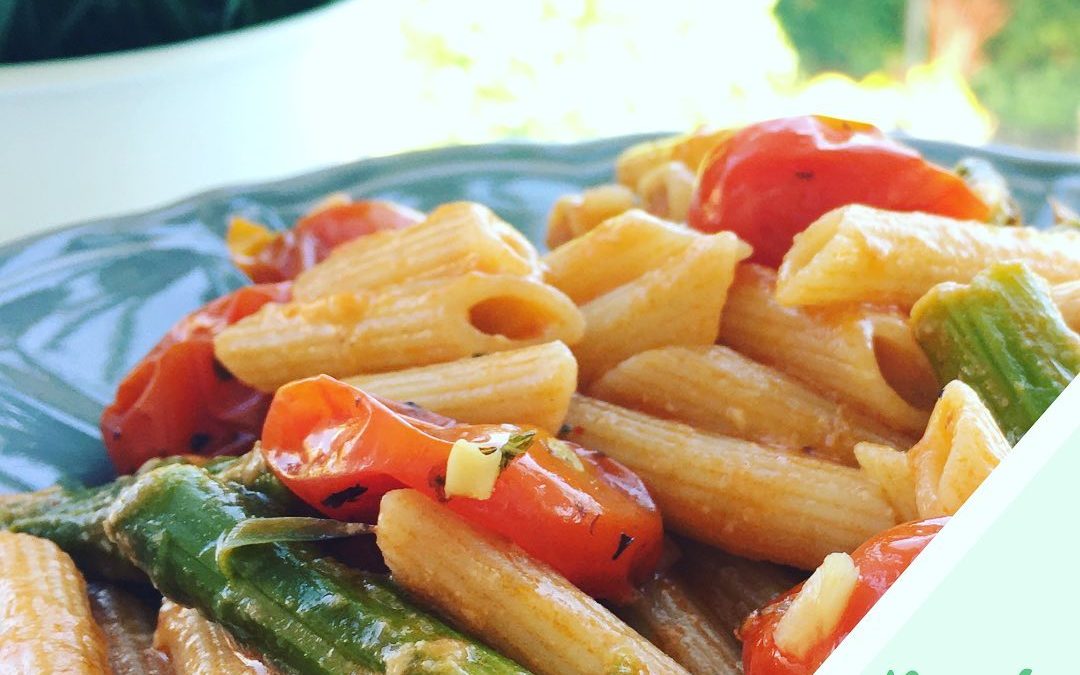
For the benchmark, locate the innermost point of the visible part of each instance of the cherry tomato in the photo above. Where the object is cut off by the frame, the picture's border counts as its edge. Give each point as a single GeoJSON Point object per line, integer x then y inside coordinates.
{"type": "Point", "coordinates": [268, 257]}
{"type": "Point", "coordinates": [773, 179]}
{"type": "Point", "coordinates": [880, 561]}
{"type": "Point", "coordinates": [340, 450]}
{"type": "Point", "coordinates": [179, 399]}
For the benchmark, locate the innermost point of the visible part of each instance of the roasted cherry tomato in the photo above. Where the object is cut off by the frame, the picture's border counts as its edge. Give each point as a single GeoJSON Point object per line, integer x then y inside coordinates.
{"type": "Point", "coordinates": [179, 399]}
{"type": "Point", "coordinates": [268, 257]}
{"type": "Point", "coordinates": [879, 561]}
{"type": "Point", "coordinates": [340, 450]}
{"type": "Point", "coordinates": [773, 179]}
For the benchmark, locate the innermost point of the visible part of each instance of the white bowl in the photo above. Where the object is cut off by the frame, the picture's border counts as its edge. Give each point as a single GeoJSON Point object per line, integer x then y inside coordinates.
{"type": "Point", "coordinates": [94, 136]}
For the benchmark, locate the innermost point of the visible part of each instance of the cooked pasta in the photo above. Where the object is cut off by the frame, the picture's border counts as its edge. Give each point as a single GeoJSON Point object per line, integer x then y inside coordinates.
{"type": "Point", "coordinates": [1067, 298]}
{"type": "Point", "coordinates": [666, 191]}
{"type": "Point", "coordinates": [455, 239]}
{"type": "Point", "coordinates": [574, 215]}
{"type": "Point", "coordinates": [716, 389]}
{"type": "Point", "coordinates": [196, 646]}
{"type": "Point", "coordinates": [677, 303]}
{"type": "Point", "coordinates": [531, 385]}
{"type": "Point", "coordinates": [745, 498]}
{"type": "Point", "coordinates": [127, 622]}
{"type": "Point", "coordinates": [403, 326]}
{"type": "Point", "coordinates": [891, 469]}
{"type": "Point", "coordinates": [861, 254]}
{"type": "Point", "coordinates": [689, 149]}
{"type": "Point", "coordinates": [863, 356]}
{"type": "Point", "coordinates": [489, 587]}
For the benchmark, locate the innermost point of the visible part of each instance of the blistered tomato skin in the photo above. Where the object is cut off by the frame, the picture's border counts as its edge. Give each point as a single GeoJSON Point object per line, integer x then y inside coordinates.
{"type": "Point", "coordinates": [880, 561]}
{"type": "Point", "coordinates": [179, 399]}
{"type": "Point", "coordinates": [340, 450]}
{"type": "Point", "coordinates": [771, 180]}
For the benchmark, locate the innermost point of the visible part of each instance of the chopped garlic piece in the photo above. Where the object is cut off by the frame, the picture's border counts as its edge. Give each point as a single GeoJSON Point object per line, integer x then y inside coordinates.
{"type": "Point", "coordinates": [471, 471]}
{"type": "Point", "coordinates": [816, 610]}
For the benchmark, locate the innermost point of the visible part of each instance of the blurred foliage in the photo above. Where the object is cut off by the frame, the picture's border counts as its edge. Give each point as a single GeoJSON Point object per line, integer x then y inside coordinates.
{"type": "Point", "coordinates": [33, 30]}
{"type": "Point", "coordinates": [851, 36]}
{"type": "Point", "coordinates": [1030, 78]}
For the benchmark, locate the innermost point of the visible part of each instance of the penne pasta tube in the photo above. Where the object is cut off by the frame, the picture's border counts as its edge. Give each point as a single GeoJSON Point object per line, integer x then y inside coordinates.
{"type": "Point", "coordinates": [1067, 298]}
{"type": "Point", "coordinates": [455, 239]}
{"type": "Point", "coordinates": [865, 357]}
{"type": "Point", "coordinates": [745, 498]}
{"type": "Point", "coordinates": [960, 448]}
{"type": "Point", "coordinates": [719, 390]}
{"type": "Point", "coordinates": [671, 617]}
{"type": "Point", "coordinates": [45, 621]}
{"type": "Point", "coordinates": [400, 327]}
{"type": "Point", "coordinates": [531, 386]}
{"type": "Point", "coordinates": [861, 254]}
{"type": "Point", "coordinates": [127, 622]}
{"type": "Point", "coordinates": [729, 587]}
{"type": "Point", "coordinates": [574, 215]}
{"type": "Point", "coordinates": [688, 149]}
{"type": "Point", "coordinates": [197, 646]}
{"type": "Point", "coordinates": [891, 469]}
{"type": "Point", "coordinates": [678, 303]}
{"type": "Point", "coordinates": [490, 588]}
{"type": "Point", "coordinates": [666, 191]}
{"type": "Point", "coordinates": [618, 251]}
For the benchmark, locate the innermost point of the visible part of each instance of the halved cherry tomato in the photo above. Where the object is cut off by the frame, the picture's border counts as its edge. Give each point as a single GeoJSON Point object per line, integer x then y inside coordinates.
{"type": "Point", "coordinates": [340, 450]}
{"type": "Point", "coordinates": [880, 561]}
{"type": "Point", "coordinates": [773, 179]}
{"type": "Point", "coordinates": [268, 257]}
{"type": "Point", "coordinates": [179, 399]}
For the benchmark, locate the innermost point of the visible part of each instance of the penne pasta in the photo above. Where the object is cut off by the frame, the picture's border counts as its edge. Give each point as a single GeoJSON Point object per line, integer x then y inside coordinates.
{"type": "Point", "coordinates": [865, 357]}
{"type": "Point", "coordinates": [532, 386]}
{"type": "Point", "coordinates": [891, 469]}
{"type": "Point", "coordinates": [688, 149]}
{"type": "Point", "coordinates": [960, 448]}
{"type": "Point", "coordinates": [574, 215]}
{"type": "Point", "coordinates": [861, 254]}
{"type": "Point", "coordinates": [678, 303]}
{"type": "Point", "coordinates": [666, 191]}
{"type": "Point", "coordinates": [455, 239]}
{"type": "Point", "coordinates": [197, 646]}
{"type": "Point", "coordinates": [745, 498]}
{"type": "Point", "coordinates": [490, 588]}
{"type": "Point", "coordinates": [618, 251]}
{"type": "Point", "coordinates": [671, 618]}
{"type": "Point", "coordinates": [399, 327]}
{"type": "Point", "coordinates": [127, 622]}
{"type": "Point", "coordinates": [719, 390]}
{"type": "Point", "coordinates": [1067, 298]}
{"type": "Point", "coordinates": [45, 621]}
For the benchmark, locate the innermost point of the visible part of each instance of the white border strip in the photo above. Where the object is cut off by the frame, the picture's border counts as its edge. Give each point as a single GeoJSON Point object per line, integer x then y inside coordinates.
{"type": "Point", "coordinates": [896, 607]}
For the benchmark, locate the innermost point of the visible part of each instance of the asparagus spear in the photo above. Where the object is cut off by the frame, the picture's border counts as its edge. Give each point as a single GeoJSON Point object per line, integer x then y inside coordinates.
{"type": "Point", "coordinates": [301, 612]}
{"type": "Point", "coordinates": [1002, 335]}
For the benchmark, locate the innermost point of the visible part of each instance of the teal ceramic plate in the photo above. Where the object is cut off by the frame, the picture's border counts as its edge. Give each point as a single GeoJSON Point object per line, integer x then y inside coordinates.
{"type": "Point", "coordinates": [80, 306]}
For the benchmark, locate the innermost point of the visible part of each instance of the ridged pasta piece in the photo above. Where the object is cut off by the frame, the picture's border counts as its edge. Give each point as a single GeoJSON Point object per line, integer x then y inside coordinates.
{"type": "Point", "coordinates": [618, 251]}
{"type": "Point", "coordinates": [669, 615]}
{"type": "Point", "coordinates": [891, 469]}
{"type": "Point", "coordinates": [1067, 298]}
{"type": "Point", "coordinates": [494, 590]}
{"type": "Point", "coordinates": [864, 356]}
{"type": "Point", "coordinates": [677, 303]}
{"type": "Point", "coordinates": [743, 497]}
{"type": "Point", "coordinates": [398, 327]}
{"type": "Point", "coordinates": [574, 215]}
{"type": "Point", "coordinates": [197, 646]}
{"type": "Point", "coordinates": [45, 621]}
{"type": "Point", "coordinates": [666, 190]}
{"type": "Point", "coordinates": [862, 254]}
{"type": "Point", "coordinates": [127, 622]}
{"type": "Point", "coordinates": [689, 149]}
{"type": "Point", "coordinates": [531, 385]}
{"type": "Point", "coordinates": [960, 448]}
{"type": "Point", "coordinates": [719, 390]}
{"type": "Point", "coordinates": [455, 239]}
